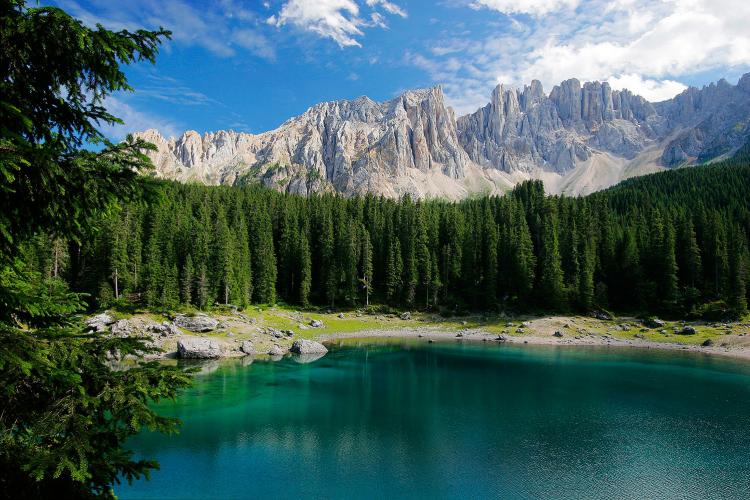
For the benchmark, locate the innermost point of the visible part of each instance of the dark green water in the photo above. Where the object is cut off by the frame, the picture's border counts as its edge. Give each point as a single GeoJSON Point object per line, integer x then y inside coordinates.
{"type": "Point", "coordinates": [460, 421]}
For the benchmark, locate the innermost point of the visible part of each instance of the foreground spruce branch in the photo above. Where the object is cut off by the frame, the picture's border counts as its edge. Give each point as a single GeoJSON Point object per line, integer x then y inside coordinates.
{"type": "Point", "coordinates": [65, 414]}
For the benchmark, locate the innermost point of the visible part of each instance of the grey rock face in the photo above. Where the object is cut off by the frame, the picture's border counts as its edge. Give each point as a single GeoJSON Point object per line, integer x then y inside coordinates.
{"type": "Point", "coordinates": [197, 323]}
{"type": "Point", "coordinates": [198, 348]}
{"type": "Point", "coordinates": [524, 130]}
{"type": "Point", "coordinates": [351, 147]}
{"type": "Point", "coordinates": [414, 145]}
{"type": "Point", "coordinates": [303, 346]}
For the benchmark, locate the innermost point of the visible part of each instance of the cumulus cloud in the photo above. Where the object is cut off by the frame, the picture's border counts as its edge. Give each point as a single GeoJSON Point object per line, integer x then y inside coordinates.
{"type": "Point", "coordinates": [339, 20]}
{"type": "Point", "coordinates": [653, 90]}
{"type": "Point", "coordinates": [645, 45]}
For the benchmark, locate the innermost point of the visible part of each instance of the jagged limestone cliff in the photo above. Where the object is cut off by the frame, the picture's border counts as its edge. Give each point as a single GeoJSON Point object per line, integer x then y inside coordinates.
{"type": "Point", "coordinates": [579, 138]}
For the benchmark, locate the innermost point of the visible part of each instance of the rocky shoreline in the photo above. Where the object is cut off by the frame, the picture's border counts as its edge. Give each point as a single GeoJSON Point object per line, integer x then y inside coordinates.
{"type": "Point", "coordinates": [235, 335]}
{"type": "Point", "coordinates": [434, 334]}
{"type": "Point", "coordinates": [189, 337]}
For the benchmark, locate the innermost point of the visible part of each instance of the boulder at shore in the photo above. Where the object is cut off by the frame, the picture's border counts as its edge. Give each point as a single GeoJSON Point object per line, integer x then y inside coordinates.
{"type": "Point", "coordinates": [303, 346]}
{"type": "Point", "coordinates": [247, 347]}
{"type": "Point", "coordinates": [197, 323]}
{"type": "Point", "coordinates": [198, 348]}
{"type": "Point", "coordinates": [275, 351]}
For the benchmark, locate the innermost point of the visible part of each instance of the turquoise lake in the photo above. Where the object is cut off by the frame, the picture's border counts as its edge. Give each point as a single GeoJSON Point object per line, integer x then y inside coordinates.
{"type": "Point", "coordinates": [452, 420]}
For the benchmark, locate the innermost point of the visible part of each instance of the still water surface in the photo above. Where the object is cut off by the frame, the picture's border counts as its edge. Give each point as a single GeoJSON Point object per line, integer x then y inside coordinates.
{"type": "Point", "coordinates": [459, 421]}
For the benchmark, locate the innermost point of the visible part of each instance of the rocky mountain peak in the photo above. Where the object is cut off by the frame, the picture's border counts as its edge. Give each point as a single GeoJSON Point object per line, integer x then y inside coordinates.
{"type": "Point", "coordinates": [579, 137]}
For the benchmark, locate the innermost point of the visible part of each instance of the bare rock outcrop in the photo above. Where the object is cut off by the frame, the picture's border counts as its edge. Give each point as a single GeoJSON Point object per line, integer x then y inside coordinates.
{"type": "Point", "coordinates": [579, 137]}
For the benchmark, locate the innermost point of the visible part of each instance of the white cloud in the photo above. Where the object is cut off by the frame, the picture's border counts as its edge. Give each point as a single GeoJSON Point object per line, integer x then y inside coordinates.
{"type": "Point", "coordinates": [647, 46]}
{"type": "Point", "coordinates": [534, 7]}
{"type": "Point", "coordinates": [652, 90]}
{"type": "Point", "coordinates": [389, 7]}
{"type": "Point", "coordinates": [338, 20]}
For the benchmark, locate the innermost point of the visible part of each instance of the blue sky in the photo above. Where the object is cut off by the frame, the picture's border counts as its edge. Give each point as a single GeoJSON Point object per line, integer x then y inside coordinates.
{"type": "Point", "coordinates": [248, 65]}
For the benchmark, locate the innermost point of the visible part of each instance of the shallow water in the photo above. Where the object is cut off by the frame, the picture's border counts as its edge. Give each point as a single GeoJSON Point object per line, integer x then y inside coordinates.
{"type": "Point", "coordinates": [455, 420]}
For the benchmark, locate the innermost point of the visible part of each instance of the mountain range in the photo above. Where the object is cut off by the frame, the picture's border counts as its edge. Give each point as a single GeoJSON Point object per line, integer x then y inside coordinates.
{"type": "Point", "coordinates": [577, 139]}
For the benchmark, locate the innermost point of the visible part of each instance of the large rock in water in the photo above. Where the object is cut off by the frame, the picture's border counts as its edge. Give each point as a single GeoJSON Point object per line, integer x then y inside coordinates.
{"type": "Point", "coordinates": [198, 348]}
{"type": "Point", "coordinates": [303, 346]}
{"type": "Point", "coordinates": [197, 323]}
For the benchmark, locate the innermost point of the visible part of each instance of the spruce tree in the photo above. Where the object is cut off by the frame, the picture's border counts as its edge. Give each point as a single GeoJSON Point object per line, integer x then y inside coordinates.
{"type": "Point", "coordinates": [394, 271]}
{"type": "Point", "coordinates": [366, 253]}
{"type": "Point", "coordinates": [551, 292]}
{"type": "Point", "coordinates": [66, 415]}
{"type": "Point", "coordinates": [305, 267]}
{"type": "Point", "coordinates": [186, 281]}
{"type": "Point", "coordinates": [737, 282]}
{"type": "Point", "coordinates": [264, 258]}
{"type": "Point", "coordinates": [489, 257]}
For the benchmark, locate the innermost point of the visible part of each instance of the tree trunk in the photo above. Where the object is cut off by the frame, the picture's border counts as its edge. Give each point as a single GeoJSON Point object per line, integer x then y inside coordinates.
{"type": "Point", "coordinates": [117, 289]}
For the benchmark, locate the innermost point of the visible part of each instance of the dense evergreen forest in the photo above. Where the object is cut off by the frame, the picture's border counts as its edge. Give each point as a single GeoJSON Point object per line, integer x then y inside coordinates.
{"type": "Point", "coordinates": [668, 243]}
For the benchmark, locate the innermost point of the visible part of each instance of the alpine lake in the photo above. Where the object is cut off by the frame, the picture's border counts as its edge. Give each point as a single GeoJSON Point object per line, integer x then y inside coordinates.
{"type": "Point", "coordinates": [387, 419]}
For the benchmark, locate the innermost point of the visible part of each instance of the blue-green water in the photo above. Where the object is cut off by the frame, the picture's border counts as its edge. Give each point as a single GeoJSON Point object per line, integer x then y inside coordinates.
{"type": "Point", "coordinates": [460, 421]}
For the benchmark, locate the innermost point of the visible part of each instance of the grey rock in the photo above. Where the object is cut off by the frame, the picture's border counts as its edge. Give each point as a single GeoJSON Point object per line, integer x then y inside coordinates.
{"type": "Point", "coordinates": [275, 351]}
{"type": "Point", "coordinates": [198, 348]}
{"type": "Point", "coordinates": [602, 315]}
{"type": "Point", "coordinates": [687, 330]}
{"type": "Point", "coordinates": [654, 323]}
{"type": "Point", "coordinates": [275, 333]}
{"type": "Point", "coordinates": [196, 323]}
{"type": "Point", "coordinates": [316, 323]}
{"type": "Point", "coordinates": [557, 334]}
{"type": "Point", "coordinates": [405, 315]}
{"type": "Point", "coordinates": [122, 328]}
{"type": "Point", "coordinates": [341, 316]}
{"type": "Point", "coordinates": [707, 343]}
{"type": "Point", "coordinates": [247, 347]}
{"type": "Point", "coordinates": [100, 322]}
{"type": "Point", "coordinates": [303, 346]}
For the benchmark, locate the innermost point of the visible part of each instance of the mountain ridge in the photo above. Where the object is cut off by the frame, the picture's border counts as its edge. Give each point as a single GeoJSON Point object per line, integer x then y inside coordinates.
{"type": "Point", "coordinates": [578, 138]}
